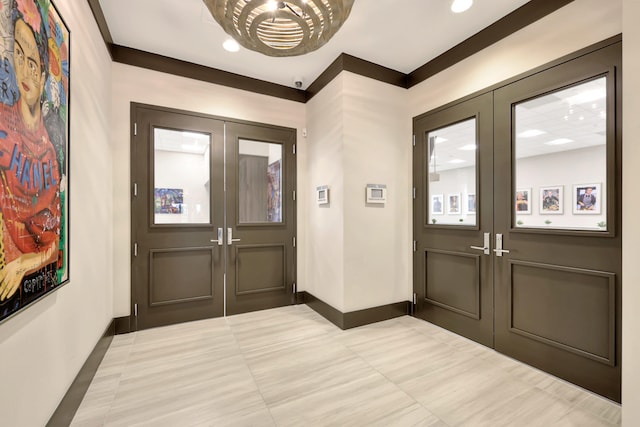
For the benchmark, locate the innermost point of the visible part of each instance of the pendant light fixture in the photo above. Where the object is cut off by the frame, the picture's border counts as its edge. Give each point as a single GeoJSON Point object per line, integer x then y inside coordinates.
{"type": "Point", "coordinates": [280, 28]}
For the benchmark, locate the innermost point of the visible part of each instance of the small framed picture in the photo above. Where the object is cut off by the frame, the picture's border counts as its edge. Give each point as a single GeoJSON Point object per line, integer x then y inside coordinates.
{"type": "Point", "coordinates": [523, 201]}
{"type": "Point", "coordinates": [551, 200]}
{"type": "Point", "coordinates": [437, 204]}
{"type": "Point", "coordinates": [471, 203]}
{"type": "Point", "coordinates": [587, 199]}
{"type": "Point", "coordinates": [453, 205]}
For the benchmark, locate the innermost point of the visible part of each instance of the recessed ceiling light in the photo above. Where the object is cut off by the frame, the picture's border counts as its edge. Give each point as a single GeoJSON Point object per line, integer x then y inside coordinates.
{"type": "Point", "coordinates": [559, 141]}
{"type": "Point", "coordinates": [459, 6]}
{"type": "Point", "coordinates": [531, 133]}
{"type": "Point", "coordinates": [455, 161]}
{"type": "Point", "coordinates": [230, 45]}
{"type": "Point", "coordinates": [468, 147]}
{"type": "Point", "coordinates": [440, 140]}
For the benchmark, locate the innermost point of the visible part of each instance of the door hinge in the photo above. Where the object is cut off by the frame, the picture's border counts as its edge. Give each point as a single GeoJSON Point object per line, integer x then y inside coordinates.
{"type": "Point", "coordinates": [414, 192]}
{"type": "Point", "coordinates": [135, 249]}
{"type": "Point", "coordinates": [135, 310]}
{"type": "Point", "coordinates": [414, 140]}
{"type": "Point", "coordinates": [294, 195]}
{"type": "Point", "coordinates": [135, 189]}
{"type": "Point", "coordinates": [294, 242]}
{"type": "Point", "coordinates": [294, 287]}
{"type": "Point", "coordinates": [135, 129]}
{"type": "Point", "coordinates": [294, 148]}
{"type": "Point", "coordinates": [415, 245]}
{"type": "Point", "coordinates": [415, 300]}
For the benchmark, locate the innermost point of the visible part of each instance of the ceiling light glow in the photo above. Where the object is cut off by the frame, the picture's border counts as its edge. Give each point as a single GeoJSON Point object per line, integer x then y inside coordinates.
{"type": "Point", "coordinates": [456, 161]}
{"type": "Point", "coordinates": [231, 45]}
{"type": "Point", "coordinates": [530, 133]}
{"type": "Point", "coordinates": [468, 147]}
{"type": "Point", "coordinates": [559, 141]}
{"type": "Point", "coordinates": [459, 6]}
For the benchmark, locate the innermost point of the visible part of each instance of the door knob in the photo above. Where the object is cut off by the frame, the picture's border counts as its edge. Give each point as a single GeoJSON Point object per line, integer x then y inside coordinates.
{"type": "Point", "coordinates": [485, 249]}
{"type": "Point", "coordinates": [230, 238]}
{"type": "Point", "coordinates": [498, 250]}
{"type": "Point", "coordinates": [219, 240]}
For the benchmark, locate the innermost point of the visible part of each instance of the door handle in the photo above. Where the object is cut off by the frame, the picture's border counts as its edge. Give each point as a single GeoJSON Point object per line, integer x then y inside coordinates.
{"type": "Point", "coordinates": [487, 242]}
{"type": "Point", "coordinates": [219, 241]}
{"type": "Point", "coordinates": [498, 250]}
{"type": "Point", "coordinates": [230, 238]}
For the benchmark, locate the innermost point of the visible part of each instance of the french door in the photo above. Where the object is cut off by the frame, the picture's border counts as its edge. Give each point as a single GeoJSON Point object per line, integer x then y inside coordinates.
{"type": "Point", "coordinates": [213, 216]}
{"type": "Point", "coordinates": [518, 231]}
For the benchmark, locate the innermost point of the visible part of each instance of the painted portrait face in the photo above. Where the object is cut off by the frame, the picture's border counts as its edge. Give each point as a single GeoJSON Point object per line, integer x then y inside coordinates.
{"type": "Point", "coordinates": [27, 63]}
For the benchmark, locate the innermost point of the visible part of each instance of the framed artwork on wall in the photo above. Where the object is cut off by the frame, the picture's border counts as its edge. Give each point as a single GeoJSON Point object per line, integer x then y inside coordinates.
{"type": "Point", "coordinates": [453, 205]}
{"type": "Point", "coordinates": [471, 204]}
{"type": "Point", "coordinates": [437, 204]}
{"type": "Point", "coordinates": [587, 199]}
{"type": "Point", "coordinates": [551, 200]}
{"type": "Point", "coordinates": [34, 153]}
{"type": "Point", "coordinates": [523, 201]}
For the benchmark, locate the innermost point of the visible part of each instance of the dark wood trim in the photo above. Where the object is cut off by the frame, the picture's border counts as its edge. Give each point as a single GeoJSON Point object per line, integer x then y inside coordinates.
{"type": "Point", "coordinates": [504, 27]}
{"type": "Point", "coordinates": [71, 401]}
{"type": "Point", "coordinates": [123, 325]}
{"type": "Point", "coordinates": [152, 61]}
{"type": "Point", "coordinates": [358, 66]}
{"type": "Point", "coordinates": [516, 20]}
{"type": "Point", "coordinates": [98, 15]}
{"type": "Point", "coordinates": [353, 319]}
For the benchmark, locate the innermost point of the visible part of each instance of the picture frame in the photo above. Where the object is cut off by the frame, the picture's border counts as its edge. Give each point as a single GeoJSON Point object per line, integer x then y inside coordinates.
{"type": "Point", "coordinates": [471, 204]}
{"type": "Point", "coordinates": [587, 199]}
{"type": "Point", "coordinates": [35, 189]}
{"type": "Point", "coordinates": [437, 204]}
{"type": "Point", "coordinates": [522, 201]}
{"type": "Point", "coordinates": [551, 200]}
{"type": "Point", "coordinates": [453, 204]}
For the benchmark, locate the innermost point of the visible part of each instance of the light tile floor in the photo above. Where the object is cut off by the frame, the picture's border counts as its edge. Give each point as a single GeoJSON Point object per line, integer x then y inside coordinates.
{"type": "Point", "coordinates": [291, 367]}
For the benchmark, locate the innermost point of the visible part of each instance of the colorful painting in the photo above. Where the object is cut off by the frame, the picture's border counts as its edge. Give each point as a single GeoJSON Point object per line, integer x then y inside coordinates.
{"type": "Point", "coordinates": [168, 200]}
{"type": "Point", "coordinates": [34, 147]}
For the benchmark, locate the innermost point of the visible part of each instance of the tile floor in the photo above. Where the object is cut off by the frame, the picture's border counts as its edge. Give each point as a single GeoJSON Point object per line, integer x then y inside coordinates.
{"type": "Point", "coordinates": [291, 367]}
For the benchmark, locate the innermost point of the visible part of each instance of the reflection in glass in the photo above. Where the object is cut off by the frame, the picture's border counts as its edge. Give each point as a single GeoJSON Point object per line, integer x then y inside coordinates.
{"type": "Point", "coordinates": [259, 182]}
{"type": "Point", "coordinates": [452, 174]}
{"type": "Point", "coordinates": [181, 177]}
{"type": "Point", "coordinates": [561, 159]}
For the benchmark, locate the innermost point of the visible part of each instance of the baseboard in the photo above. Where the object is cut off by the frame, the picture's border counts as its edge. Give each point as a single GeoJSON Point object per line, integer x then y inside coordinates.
{"type": "Point", "coordinates": [71, 401]}
{"type": "Point", "coordinates": [123, 325]}
{"type": "Point", "coordinates": [353, 319]}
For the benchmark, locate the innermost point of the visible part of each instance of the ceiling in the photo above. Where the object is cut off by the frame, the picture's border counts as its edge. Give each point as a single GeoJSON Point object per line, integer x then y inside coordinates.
{"type": "Point", "coordinates": [397, 34]}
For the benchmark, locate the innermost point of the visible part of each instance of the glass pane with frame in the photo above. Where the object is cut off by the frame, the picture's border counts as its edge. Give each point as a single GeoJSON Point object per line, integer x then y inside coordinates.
{"type": "Point", "coordinates": [181, 188]}
{"type": "Point", "coordinates": [260, 186]}
{"type": "Point", "coordinates": [451, 181]}
{"type": "Point", "coordinates": [560, 159]}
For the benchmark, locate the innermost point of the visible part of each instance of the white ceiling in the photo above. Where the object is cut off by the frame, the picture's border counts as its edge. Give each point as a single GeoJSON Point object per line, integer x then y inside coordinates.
{"type": "Point", "coordinates": [398, 34]}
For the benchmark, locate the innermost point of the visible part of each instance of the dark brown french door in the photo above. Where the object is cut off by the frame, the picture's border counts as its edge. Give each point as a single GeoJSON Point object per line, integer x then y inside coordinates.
{"type": "Point", "coordinates": [518, 231]}
{"type": "Point", "coordinates": [213, 216]}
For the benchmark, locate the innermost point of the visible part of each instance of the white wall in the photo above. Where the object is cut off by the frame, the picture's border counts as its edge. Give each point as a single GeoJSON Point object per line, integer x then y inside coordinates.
{"type": "Point", "coordinates": [630, 209]}
{"type": "Point", "coordinates": [43, 348]}
{"type": "Point", "coordinates": [325, 223]}
{"type": "Point", "coordinates": [132, 84]}
{"type": "Point", "coordinates": [377, 150]}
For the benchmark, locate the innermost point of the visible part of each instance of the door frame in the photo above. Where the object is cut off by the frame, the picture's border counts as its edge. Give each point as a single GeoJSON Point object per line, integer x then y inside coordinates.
{"type": "Point", "coordinates": [130, 323]}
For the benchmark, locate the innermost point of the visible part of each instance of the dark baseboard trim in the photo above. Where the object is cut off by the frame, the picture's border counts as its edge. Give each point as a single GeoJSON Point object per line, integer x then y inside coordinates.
{"type": "Point", "coordinates": [71, 401]}
{"type": "Point", "coordinates": [123, 325]}
{"type": "Point", "coordinates": [353, 319]}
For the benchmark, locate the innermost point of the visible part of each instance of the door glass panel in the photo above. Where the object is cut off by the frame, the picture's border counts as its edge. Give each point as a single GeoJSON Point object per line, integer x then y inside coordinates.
{"type": "Point", "coordinates": [451, 181]}
{"type": "Point", "coordinates": [181, 186]}
{"type": "Point", "coordinates": [259, 182]}
{"type": "Point", "coordinates": [561, 159]}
